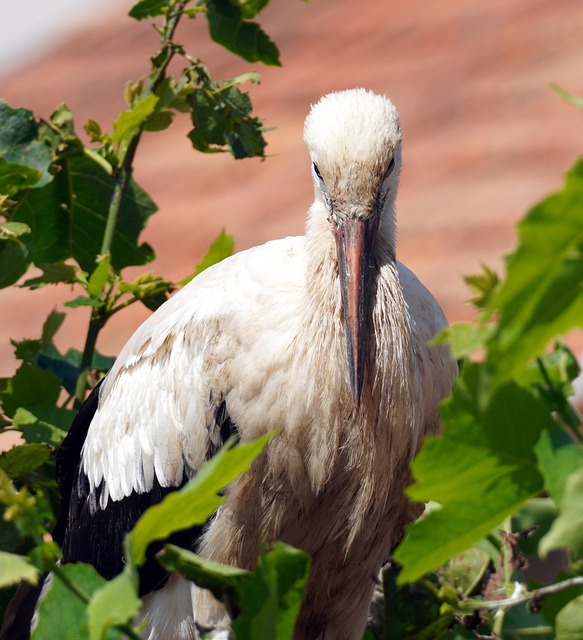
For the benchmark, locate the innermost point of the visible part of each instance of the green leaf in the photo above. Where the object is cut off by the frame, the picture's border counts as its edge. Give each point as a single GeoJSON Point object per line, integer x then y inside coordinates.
{"type": "Point", "coordinates": [99, 277]}
{"type": "Point", "coordinates": [483, 285]}
{"type": "Point", "coordinates": [83, 301]}
{"type": "Point", "coordinates": [49, 427]}
{"type": "Point", "coordinates": [24, 459]}
{"type": "Point", "coordinates": [221, 117]}
{"type": "Point", "coordinates": [61, 609]}
{"type": "Point", "coordinates": [11, 230]}
{"type": "Point", "coordinates": [542, 294]}
{"type": "Point", "coordinates": [54, 273]}
{"type": "Point", "coordinates": [220, 248]}
{"type": "Point", "coordinates": [68, 217]}
{"type": "Point", "coordinates": [128, 122]}
{"type": "Point", "coordinates": [567, 530]}
{"type": "Point", "coordinates": [115, 603]}
{"type": "Point", "coordinates": [152, 290]}
{"type": "Point", "coordinates": [229, 28]}
{"type": "Point", "coordinates": [14, 262]}
{"type": "Point", "coordinates": [480, 470]}
{"type": "Point", "coordinates": [265, 602]}
{"type": "Point", "coordinates": [569, 97]}
{"type": "Point", "coordinates": [250, 8]}
{"type": "Point", "coordinates": [148, 9]}
{"type": "Point", "coordinates": [558, 457]}
{"type": "Point", "coordinates": [15, 177]}
{"type": "Point", "coordinates": [28, 387]}
{"type": "Point", "coordinates": [15, 569]}
{"type": "Point", "coordinates": [464, 338]}
{"type": "Point", "coordinates": [19, 145]}
{"type": "Point", "coordinates": [195, 502]}
{"type": "Point", "coordinates": [413, 612]}
{"type": "Point", "coordinates": [569, 621]}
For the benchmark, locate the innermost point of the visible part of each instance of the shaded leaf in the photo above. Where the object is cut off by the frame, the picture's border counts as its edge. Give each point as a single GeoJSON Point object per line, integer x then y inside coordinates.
{"type": "Point", "coordinates": [68, 217]}
{"type": "Point", "coordinates": [413, 612]}
{"type": "Point", "coordinates": [229, 28]}
{"type": "Point", "coordinates": [28, 387]}
{"type": "Point", "coordinates": [54, 273]}
{"type": "Point", "coordinates": [19, 144]}
{"type": "Point", "coordinates": [148, 9]}
{"type": "Point", "coordinates": [14, 262]}
{"type": "Point", "coordinates": [24, 459]}
{"type": "Point", "coordinates": [49, 427]}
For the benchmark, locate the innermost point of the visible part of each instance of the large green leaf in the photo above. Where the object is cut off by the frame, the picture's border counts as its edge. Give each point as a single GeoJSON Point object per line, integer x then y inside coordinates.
{"type": "Point", "coordinates": [229, 28]}
{"type": "Point", "coordinates": [542, 294]}
{"type": "Point", "coordinates": [480, 470]}
{"type": "Point", "coordinates": [197, 501]}
{"type": "Point", "coordinates": [30, 386]}
{"type": "Point", "coordinates": [67, 218]}
{"type": "Point", "coordinates": [61, 612]}
{"type": "Point", "coordinates": [265, 602]}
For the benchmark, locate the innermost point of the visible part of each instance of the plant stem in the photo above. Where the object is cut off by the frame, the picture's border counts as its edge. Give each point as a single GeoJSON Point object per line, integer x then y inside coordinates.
{"type": "Point", "coordinates": [122, 179]}
{"type": "Point", "coordinates": [474, 604]}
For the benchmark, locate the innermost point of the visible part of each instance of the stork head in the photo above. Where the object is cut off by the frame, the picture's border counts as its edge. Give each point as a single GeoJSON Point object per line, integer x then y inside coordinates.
{"type": "Point", "coordinates": [354, 140]}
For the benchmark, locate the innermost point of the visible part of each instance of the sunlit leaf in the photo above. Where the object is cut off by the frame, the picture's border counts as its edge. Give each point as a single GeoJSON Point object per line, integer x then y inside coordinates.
{"type": "Point", "coordinates": [195, 502]}
{"type": "Point", "coordinates": [541, 296]}
{"type": "Point", "coordinates": [62, 609]}
{"type": "Point", "coordinates": [220, 248]}
{"type": "Point", "coordinates": [116, 602]}
{"type": "Point", "coordinates": [569, 621]}
{"type": "Point", "coordinates": [480, 470]}
{"type": "Point", "coordinates": [567, 530]}
{"type": "Point", "coordinates": [15, 569]}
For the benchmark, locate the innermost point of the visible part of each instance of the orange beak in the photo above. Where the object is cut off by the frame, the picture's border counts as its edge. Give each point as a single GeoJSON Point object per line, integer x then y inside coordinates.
{"type": "Point", "coordinates": [355, 239]}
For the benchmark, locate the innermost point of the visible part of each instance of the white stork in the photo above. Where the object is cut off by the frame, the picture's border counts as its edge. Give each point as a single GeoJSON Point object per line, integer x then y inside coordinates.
{"type": "Point", "coordinates": [324, 337]}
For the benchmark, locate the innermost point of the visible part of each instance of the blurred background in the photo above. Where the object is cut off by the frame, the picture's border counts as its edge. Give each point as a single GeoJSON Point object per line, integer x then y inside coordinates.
{"type": "Point", "coordinates": [485, 135]}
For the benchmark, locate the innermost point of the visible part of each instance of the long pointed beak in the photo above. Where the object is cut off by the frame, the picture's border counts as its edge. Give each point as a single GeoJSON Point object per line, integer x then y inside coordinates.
{"type": "Point", "coordinates": [355, 238]}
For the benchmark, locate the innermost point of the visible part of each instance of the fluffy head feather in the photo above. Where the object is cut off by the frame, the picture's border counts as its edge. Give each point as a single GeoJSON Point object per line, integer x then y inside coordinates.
{"type": "Point", "coordinates": [354, 140]}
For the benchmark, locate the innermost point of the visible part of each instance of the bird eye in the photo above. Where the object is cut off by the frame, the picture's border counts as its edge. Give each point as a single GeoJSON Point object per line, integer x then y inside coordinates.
{"type": "Point", "coordinates": [317, 171]}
